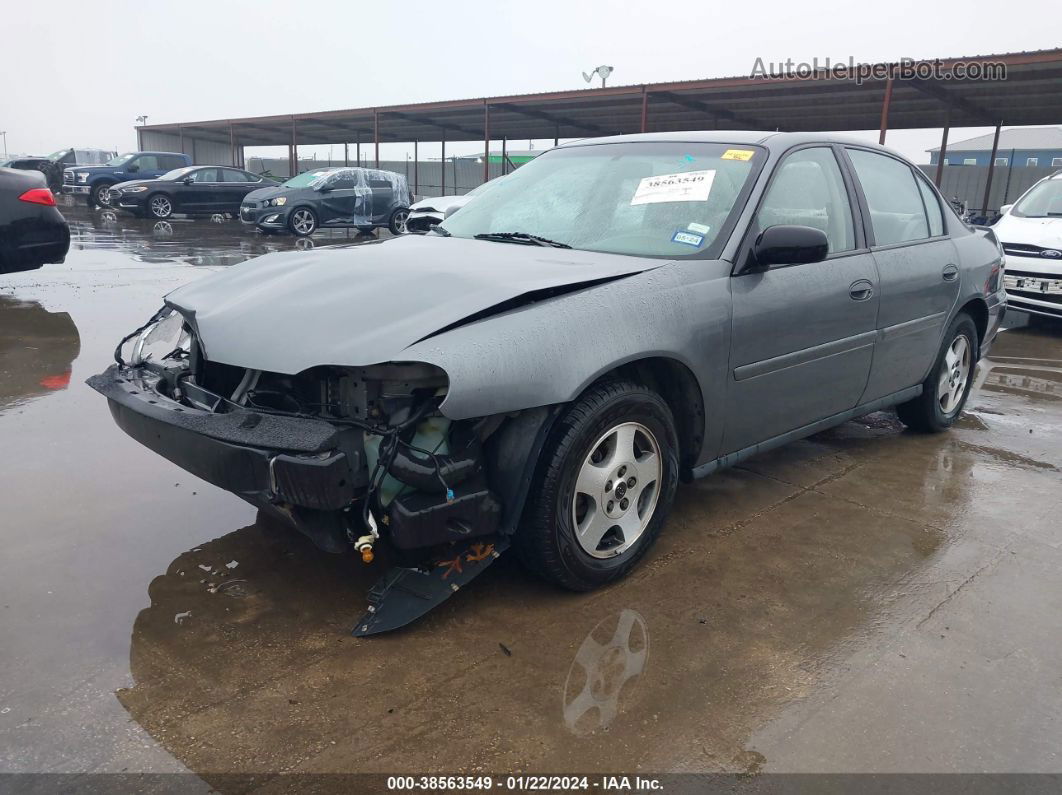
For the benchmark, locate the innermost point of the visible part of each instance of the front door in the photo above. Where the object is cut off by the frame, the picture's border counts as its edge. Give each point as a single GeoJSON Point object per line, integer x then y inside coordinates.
{"type": "Point", "coordinates": [917, 263]}
{"type": "Point", "coordinates": [803, 335]}
{"type": "Point", "coordinates": [201, 196]}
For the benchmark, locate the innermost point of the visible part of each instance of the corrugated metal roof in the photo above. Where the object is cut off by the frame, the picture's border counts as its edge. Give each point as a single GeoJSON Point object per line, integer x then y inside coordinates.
{"type": "Point", "coordinates": [1030, 95]}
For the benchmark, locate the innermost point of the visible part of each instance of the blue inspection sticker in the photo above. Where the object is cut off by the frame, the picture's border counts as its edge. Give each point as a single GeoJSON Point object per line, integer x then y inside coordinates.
{"type": "Point", "coordinates": [687, 238]}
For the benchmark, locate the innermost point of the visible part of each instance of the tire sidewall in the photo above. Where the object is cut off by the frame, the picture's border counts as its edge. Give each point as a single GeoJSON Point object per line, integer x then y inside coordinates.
{"type": "Point", "coordinates": [962, 325]}
{"type": "Point", "coordinates": [648, 410]}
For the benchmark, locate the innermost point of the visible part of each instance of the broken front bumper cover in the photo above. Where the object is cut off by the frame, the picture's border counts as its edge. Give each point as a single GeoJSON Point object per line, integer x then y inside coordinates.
{"type": "Point", "coordinates": [261, 457]}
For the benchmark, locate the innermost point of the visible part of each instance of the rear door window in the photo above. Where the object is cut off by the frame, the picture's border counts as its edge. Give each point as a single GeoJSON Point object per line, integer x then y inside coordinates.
{"type": "Point", "coordinates": [147, 163]}
{"type": "Point", "coordinates": [169, 162]}
{"type": "Point", "coordinates": [929, 196]}
{"type": "Point", "coordinates": [897, 213]}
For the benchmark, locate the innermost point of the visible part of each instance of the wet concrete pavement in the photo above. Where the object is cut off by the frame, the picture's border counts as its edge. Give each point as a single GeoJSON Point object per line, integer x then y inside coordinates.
{"type": "Point", "coordinates": [865, 600]}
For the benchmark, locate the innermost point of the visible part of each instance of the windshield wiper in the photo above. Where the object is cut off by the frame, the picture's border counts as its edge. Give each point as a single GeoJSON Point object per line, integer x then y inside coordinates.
{"type": "Point", "coordinates": [520, 237]}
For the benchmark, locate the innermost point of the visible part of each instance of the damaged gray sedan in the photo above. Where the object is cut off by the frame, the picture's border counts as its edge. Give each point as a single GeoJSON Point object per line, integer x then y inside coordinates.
{"type": "Point", "coordinates": [544, 368]}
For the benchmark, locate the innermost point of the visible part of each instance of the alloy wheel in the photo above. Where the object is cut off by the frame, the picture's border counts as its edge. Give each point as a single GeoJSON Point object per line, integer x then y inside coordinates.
{"type": "Point", "coordinates": [954, 375]}
{"type": "Point", "coordinates": [302, 221]}
{"type": "Point", "coordinates": [616, 490]}
{"type": "Point", "coordinates": [161, 207]}
{"type": "Point", "coordinates": [400, 219]}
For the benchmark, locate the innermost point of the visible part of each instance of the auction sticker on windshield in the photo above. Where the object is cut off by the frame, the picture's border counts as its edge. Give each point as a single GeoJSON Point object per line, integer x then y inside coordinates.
{"type": "Point", "coordinates": [691, 186]}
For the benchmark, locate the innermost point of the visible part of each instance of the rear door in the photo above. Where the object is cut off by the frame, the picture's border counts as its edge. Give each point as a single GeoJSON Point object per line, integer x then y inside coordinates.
{"type": "Point", "coordinates": [383, 196]}
{"type": "Point", "coordinates": [235, 184]}
{"type": "Point", "coordinates": [148, 167]}
{"type": "Point", "coordinates": [917, 267]}
{"type": "Point", "coordinates": [803, 335]}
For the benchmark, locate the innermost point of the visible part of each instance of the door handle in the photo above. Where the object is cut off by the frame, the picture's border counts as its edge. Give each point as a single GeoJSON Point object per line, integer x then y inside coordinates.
{"type": "Point", "coordinates": [950, 273]}
{"type": "Point", "coordinates": [861, 290]}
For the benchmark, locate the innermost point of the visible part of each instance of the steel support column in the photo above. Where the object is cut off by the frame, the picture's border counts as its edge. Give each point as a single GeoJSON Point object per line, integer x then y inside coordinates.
{"type": "Point", "coordinates": [180, 134]}
{"type": "Point", "coordinates": [357, 147]}
{"type": "Point", "coordinates": [232, 147]}
{"type": "Point", "coordinates": [885, 111]}
{"type": "Point", "coordinates": [139, 140]}
{"type": "Point", "coordinates": [416, 168]}
{"type": "Point", "coordinates": [486, 141]}
{"type": "Point", "coordinates": [442, 169]}
{"type": "Point", "coordinates": [645, 109]}
{"type": "Point", "coordinates": [505, 158]}
{"type": "Point", "coordinates": [942, 154]}
{"type": "Point", "coordinates": [376, 135]}
{"type": "Point", "coordinates": [991, 168]}
{"type": "Point", "coordinates": [346, 154]}
{"type": "Point", "coordinates": [294, 149]}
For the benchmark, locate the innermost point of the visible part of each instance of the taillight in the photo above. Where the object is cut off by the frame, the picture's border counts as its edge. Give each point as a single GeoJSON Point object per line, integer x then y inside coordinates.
{"type": "Point", "coordinates": [38, 196]}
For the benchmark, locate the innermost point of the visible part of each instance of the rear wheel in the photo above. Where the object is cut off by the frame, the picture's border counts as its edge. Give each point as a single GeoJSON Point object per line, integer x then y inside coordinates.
{"type": "Point", "coordinates": [397, 224]}
{"type": "Point", "coordinates": [603, 487]}
{"type": "Point", "coordinates": [302, 221]}
{"type": "Point", "coordinates": [945, 391]}
{"type": "Point", "coordinates": [160, 206]}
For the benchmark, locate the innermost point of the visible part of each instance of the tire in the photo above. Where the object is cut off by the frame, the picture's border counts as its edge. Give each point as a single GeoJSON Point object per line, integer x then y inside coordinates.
{"type": "Point", "coordinates": [595, 427]}
{"type": "Point", "coordinates": [302, 221]}
{"type": "Point", "coordinates": [95, 196]}
{"type": "Point", "coordinates": [945, 391]}
{"type": "Point", "coordinates": [397, 223]}
{"type": "Point", "coordinates": [160, 206]}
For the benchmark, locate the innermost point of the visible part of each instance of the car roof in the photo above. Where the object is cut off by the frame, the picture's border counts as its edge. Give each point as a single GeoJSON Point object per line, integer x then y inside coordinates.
{"type": "Point", "coordinates": [766, 138]}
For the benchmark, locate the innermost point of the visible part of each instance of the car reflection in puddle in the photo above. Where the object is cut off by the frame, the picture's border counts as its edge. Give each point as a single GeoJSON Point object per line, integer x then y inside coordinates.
{"type": "Point", "coordinates": [214, 240]}
{"type": "Point", "coordinates": [37, 350]}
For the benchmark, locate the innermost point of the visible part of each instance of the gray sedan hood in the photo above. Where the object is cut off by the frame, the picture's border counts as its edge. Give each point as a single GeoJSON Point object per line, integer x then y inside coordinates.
{"type": "Point", "coordinates": [362, 305]}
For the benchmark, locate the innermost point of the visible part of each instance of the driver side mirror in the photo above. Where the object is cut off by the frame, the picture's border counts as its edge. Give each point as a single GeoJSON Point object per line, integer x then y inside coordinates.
{"type": "Point", "coordinates": [788, 244]}
{"type": "Point", "coordinates": [450, 211]}
{"type": "Point", "coordinates": [187, 180]}
{"type": "Point", "coordinates": [1005, 209]}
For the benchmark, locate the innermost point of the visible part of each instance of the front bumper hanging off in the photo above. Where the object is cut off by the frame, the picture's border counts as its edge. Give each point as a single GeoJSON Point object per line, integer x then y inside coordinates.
{"type": "Point", "coordinates": [294, 468]}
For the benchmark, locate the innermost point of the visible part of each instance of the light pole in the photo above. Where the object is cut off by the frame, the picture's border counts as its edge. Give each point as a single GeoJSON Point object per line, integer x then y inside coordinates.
{"type": "Point", "coordinates": [4, 134]}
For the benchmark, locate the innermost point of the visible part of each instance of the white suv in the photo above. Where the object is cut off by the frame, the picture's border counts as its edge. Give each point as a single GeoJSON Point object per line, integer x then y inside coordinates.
{"type": "Point", "coordinates": [1031, 233]}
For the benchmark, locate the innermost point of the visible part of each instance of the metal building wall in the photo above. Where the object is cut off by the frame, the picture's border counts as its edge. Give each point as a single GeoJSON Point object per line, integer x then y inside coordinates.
{"type": "Point", "coordinates": [207, 153]}
{"type": "Point", "coordinates": [968, 183]}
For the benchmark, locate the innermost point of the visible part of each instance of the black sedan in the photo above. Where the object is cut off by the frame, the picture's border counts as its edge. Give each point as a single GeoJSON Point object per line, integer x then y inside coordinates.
{"type": "Point", "coordinates": [365, 198]}
{"type": "Point", "coordinates": [32, 230]}
{"type": "Point", "coordinates": [191, 190]}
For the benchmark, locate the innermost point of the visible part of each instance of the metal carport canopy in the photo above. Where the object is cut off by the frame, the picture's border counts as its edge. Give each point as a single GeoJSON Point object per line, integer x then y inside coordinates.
{"type": "Point", "coordinates": [1031, 94]}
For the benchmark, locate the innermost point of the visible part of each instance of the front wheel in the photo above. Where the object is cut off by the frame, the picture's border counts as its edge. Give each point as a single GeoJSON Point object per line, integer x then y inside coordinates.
{"type": "Point", "coordinates": [397, 224]}
{"type": "Point", "coordinates": [603, 488]}
{"type": "Point", "coordinates": [302, 222]}
{"type": "Point", "coordinates": [160, 206]}
{"type": "Point", "coordinates": [945, 391]}
{"type": "Point", "coordinates": [99, 195]}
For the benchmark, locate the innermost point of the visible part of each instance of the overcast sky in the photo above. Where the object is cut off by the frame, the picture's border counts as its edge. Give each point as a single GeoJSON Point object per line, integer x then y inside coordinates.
{"type": "Point", "coordinates": [79, 72]}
